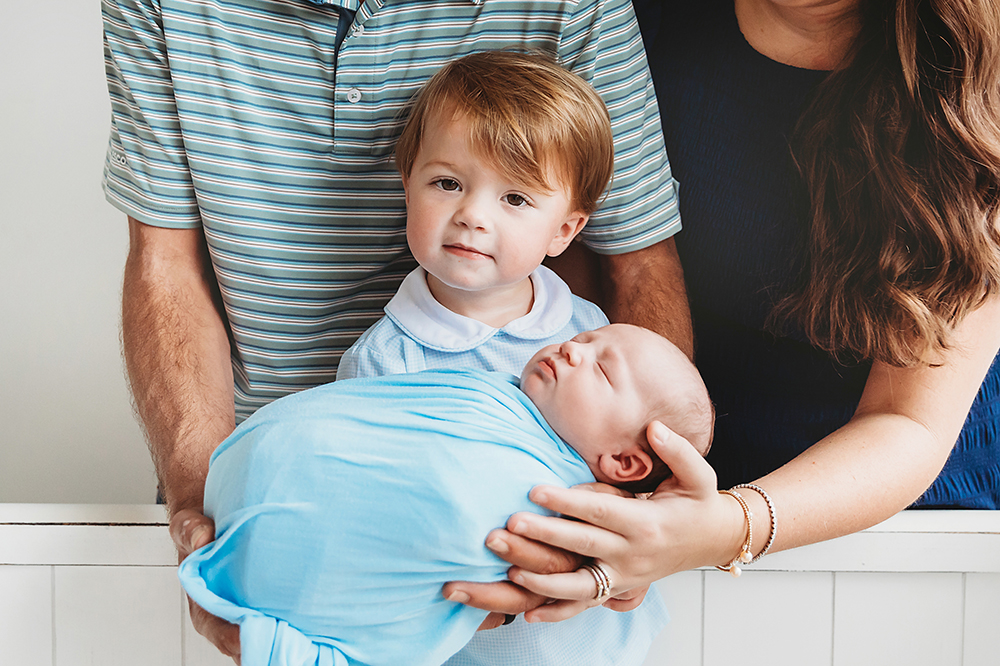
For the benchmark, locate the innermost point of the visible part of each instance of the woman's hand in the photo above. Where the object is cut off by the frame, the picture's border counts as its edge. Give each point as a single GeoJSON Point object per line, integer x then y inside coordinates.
{"type": "Point", "coordinates": [685, 524]}
{"type": "Point", "coordinates": [506, 598]}
{"type": "Point", "coordinates": [190, 531]}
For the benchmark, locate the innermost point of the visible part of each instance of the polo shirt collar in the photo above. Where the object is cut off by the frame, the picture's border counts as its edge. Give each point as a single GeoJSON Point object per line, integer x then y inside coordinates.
{"type": "Point", "coordinates": [415, 310]}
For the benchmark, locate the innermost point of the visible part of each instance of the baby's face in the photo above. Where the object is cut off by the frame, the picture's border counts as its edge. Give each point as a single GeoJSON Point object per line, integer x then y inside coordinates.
{"type": "Point", "coordinates": [598, 390]}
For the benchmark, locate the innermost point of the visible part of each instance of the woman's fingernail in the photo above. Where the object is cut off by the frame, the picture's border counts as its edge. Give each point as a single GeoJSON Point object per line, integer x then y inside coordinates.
{"type": "Point", "coordinates": [498, 546]}
{"type": "Point", "coordinates": [458, 597]}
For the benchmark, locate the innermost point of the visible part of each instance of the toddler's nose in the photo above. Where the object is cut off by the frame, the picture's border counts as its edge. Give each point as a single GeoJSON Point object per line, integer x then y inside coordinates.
{"type": "Point", "coordinates": [471, 215]}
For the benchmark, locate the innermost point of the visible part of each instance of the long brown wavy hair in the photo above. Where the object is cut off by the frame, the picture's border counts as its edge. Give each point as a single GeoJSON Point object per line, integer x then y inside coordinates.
{"type": "Point", "coordinates": [900, 149]}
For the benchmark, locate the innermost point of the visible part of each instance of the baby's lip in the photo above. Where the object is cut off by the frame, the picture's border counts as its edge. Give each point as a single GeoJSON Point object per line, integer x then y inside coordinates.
{"type": "Point", "coordinates": [549, 364]}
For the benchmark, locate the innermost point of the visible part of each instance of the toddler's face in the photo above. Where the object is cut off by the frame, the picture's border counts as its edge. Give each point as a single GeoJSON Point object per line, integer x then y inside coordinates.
{"type": "Point", "coordinates": [470, 227]}
{"type": "Point", "coordinates": [595, 390]}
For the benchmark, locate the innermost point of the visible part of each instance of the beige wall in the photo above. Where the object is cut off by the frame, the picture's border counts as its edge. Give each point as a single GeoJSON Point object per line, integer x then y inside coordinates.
{"type": "Point", "coordinates": [66, 429]}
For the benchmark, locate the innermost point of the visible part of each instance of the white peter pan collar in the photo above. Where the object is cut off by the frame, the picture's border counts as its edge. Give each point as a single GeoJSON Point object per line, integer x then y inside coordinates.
{"type": "Point", "coordinates": [419, 314]}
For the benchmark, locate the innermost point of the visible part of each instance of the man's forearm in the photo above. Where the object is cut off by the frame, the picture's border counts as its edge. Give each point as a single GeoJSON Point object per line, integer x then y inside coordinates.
{"type": "Point", "coordinates": [177, 357]}
{"type": "Point", "coordinates": [646, 288]}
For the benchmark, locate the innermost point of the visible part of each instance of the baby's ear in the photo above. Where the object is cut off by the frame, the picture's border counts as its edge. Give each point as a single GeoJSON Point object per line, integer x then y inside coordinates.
{"type": "Point", "coordinates": [632, 465]}
{"type": "Point", "coordinates": [566, 232]}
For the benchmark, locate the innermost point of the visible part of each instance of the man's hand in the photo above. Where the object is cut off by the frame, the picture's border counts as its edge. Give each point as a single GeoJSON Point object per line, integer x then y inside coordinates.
{"type": "Point", "coordinates": [190, 531]}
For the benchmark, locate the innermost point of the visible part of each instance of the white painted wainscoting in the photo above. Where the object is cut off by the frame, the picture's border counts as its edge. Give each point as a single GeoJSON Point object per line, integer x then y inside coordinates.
{"type": "Point", "coordinates": [96, 585]}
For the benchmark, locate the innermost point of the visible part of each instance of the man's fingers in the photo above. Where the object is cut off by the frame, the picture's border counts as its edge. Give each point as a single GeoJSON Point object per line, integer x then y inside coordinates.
{"type": "Point", "coordinates": [190, 531]}
{"type": "Point", "coordinates": [492, 621]}
{"type": "Point", "coordinates": [502, 597]}
{"type": "Point", "coordinates": [558, 611]}
{"type": "Point", "coordinates": [223, 635]}
{"type": "Point", "coordinates": [532, 555]}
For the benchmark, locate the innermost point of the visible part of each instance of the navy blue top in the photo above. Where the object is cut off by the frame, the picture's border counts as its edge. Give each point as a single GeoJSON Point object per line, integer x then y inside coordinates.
{"type": "Point", "coordinates": [728, 113]}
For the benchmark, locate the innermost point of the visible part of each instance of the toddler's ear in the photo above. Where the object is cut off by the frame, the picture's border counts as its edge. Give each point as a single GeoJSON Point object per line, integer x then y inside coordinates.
{"type": "Point", "coordinates": [632, 465]}
{"type": "Point", "coordinates": [567, 231]}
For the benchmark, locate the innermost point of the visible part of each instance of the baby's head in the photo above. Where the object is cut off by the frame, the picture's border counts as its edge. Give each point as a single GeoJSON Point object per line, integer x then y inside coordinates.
{"type": "Point", "coordinates": [504, 157]}
{"type": "Point", "coordinates": [601, 390]}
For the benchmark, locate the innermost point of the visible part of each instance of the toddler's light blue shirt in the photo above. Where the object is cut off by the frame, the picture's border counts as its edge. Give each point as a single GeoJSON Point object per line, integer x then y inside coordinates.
{"type": "Point", "coordinates": [418, 333]}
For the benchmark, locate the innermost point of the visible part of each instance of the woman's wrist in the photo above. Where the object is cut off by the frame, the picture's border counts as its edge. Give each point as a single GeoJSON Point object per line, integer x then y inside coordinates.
{"type": "Point", "coordinates": [737, 525]}
{"type": "Point", "coordinates": [735, 530]}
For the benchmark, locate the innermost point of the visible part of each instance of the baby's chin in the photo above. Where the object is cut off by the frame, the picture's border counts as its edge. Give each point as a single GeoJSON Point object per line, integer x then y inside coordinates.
{"type": "Point", "coordinates": [527, 384]}
{"type": "Point", "coordinates": [527, 378]}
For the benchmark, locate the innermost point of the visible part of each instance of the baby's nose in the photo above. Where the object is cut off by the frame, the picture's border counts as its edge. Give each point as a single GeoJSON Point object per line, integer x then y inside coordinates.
{"type": "Point", "coordinates": [571, 350]}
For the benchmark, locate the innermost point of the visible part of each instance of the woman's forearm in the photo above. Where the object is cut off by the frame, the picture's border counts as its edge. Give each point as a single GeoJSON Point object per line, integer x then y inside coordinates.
{"type": "Point", "coordinates": [870, 469]}
{"type": "Point", "coordinates": [892, 449]}
{"type": "Point", "coordinates": [177, 357]}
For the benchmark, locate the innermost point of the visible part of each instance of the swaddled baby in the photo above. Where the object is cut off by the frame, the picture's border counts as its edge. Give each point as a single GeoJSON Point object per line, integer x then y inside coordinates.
{"type": "Point", "coordinates": [342, 510]}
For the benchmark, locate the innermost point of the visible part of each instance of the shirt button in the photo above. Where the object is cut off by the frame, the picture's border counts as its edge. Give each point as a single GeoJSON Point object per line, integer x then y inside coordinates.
{"type": "Point", "coordinates": [353, 95]}
{"type": "Point", "coordinates": [358, 30]}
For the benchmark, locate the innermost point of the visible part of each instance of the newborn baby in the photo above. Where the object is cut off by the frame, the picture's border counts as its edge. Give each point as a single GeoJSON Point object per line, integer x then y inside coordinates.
{"type": "Point", "coordinates": [342, 510]}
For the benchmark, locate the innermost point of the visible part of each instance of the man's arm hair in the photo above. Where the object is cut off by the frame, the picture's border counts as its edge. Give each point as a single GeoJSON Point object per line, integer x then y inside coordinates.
{"type": "Point", "coordinates": [176, 350]}
{"type": "Point", "coordinates": [646, 288]}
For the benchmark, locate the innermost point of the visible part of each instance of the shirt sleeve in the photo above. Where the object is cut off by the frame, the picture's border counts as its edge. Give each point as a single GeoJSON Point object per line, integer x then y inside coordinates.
{"type": "Point", "coordinates": [601, 43]}
{"type": "Point", "coordinates": [146, 171]}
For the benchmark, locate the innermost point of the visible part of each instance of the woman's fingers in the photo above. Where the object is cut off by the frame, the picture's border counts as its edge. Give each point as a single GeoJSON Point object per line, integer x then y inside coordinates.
{"type": "Point", "coordinates": [570, 535]}
{"type": "Point", "coordinates": [627, 601]}
{"type": "Point", "coordinates": [579, 585]}
{"type": "Point", "coordinates": [531, 555]}
{"type": "Point", "coordinates": [690, 470]}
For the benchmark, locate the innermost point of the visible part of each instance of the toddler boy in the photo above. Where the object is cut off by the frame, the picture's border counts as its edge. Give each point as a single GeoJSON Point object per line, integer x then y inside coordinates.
{"type": "Point", "coordinates": [342, 510]}
{"type": "Point", "coordinates": [504, 157]}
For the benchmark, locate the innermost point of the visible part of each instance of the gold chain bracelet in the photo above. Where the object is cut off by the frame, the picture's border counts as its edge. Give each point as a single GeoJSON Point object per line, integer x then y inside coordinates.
{"type": "Point", "coordinates": [745, 555]}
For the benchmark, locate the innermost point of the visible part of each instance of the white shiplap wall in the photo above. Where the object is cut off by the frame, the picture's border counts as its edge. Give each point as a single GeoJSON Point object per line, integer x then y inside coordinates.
{"type": "Point", "coordinates": [95, 584]}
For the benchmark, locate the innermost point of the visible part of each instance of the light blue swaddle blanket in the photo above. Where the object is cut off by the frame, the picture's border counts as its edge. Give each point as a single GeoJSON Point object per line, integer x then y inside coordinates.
{"type": "Point", "coordinates": [341, 511]}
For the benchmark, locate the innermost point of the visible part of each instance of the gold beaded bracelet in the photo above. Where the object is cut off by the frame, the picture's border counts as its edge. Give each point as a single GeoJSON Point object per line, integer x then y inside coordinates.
{"type": "Point", "coordinates": [745, 555]}
{"type": "Point", "coordinates": [771, 513]}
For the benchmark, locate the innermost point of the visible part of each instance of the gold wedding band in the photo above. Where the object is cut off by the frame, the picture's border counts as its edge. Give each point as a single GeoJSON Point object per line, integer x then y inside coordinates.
{"type": "Point", "coordinates": [602, 579]}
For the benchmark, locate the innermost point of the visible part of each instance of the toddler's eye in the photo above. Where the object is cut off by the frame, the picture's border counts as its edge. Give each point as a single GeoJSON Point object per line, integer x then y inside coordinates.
{"type": "Point", "coordinates": [515, 200]}
{"type": "Point", "coordinates": [447, 184]}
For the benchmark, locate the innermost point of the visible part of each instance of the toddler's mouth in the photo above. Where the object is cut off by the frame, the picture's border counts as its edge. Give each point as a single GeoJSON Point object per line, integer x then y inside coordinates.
{"type": "Point", "coordinates": [464, 251]}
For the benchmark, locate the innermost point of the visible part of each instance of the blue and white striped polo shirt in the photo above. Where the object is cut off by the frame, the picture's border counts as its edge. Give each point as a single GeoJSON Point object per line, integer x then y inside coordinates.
{"type": "Point", "coordinates": [241, 117]}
